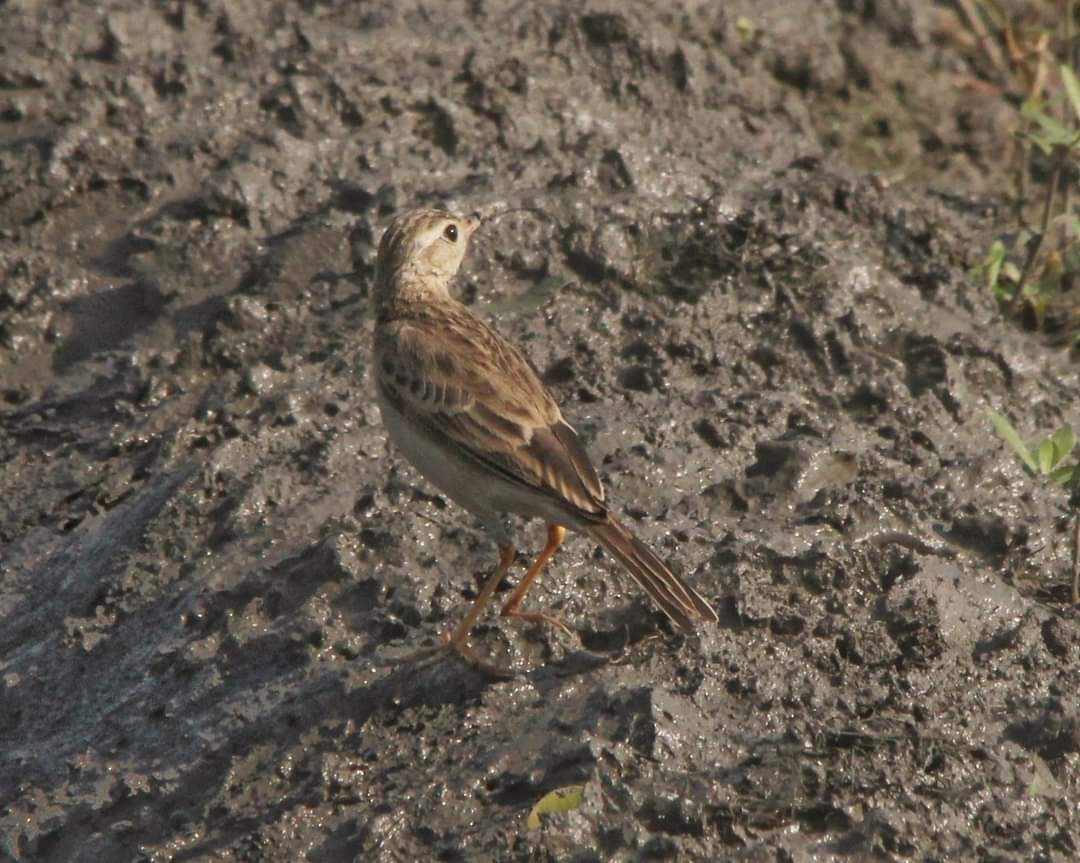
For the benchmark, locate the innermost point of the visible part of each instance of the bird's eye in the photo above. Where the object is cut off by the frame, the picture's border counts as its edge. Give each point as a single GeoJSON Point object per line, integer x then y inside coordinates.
{"type": "Point", "coordinates": [450, 232]}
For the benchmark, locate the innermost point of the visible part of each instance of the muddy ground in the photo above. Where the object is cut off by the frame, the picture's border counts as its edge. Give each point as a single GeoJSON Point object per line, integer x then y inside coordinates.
{"type": "Point", "coordinates": [740, 252]}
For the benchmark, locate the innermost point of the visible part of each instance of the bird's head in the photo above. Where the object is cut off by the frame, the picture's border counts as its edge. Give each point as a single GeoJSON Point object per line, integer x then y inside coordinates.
{"type": "Point", "coordinates": [421, 252]}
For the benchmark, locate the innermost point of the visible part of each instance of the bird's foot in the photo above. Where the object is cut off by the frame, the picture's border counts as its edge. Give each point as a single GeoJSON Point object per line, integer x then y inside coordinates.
{"type": "Point", "coordinates": [540, 617]}
{"type": "Point", "coordinates": [462, 648]}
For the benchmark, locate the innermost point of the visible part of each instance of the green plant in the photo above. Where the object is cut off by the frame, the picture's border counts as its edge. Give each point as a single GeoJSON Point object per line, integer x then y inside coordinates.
{"type": "Point", "coordinates": [1050, 250]}
{"type": "Point", "coordinates": [1034, 269]}
{"type": "Point", "coordinates": [1047, 458]}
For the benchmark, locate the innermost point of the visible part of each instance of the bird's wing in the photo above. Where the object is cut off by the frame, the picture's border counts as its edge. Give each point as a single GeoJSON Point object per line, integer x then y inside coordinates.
{"type": "Point", "coordinates": [473, 392]}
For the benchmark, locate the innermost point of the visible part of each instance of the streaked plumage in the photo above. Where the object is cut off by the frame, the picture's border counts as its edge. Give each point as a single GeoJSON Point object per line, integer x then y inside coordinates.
{"type": "Point", "coordinates": [468, 409]}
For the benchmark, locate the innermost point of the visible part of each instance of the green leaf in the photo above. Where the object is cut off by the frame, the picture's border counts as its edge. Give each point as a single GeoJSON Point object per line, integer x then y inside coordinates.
{"type": "Point", "coordinates": [1064, 440]}
{"type": "Point", "coordinates": [1011, 271]}
{"type": "Point", "coordinates": [1066, 475]}
{"type": "Point", "coordinates": [992, 263]}
{"type": "Point", "coordinates": [1046, 456]}
{"type": "Point", "coordinates": [1031, 108]}
{"type": "Point", "coordinates": [1048, 286]}
{"type": "Point", "coordinates": [1009, 435]}
{"type": "Point", "coordinates": [560, 800]}
{"type": "Point", "coordinates": [1037, 301]}
{"type": "Point", "coordinates": [1072, 87]}
{"type": "Point", "coordinates": [1045, 143]}
{"type": "Point", "coordinates": [1037, 113]}
{"type": "Point", "coordinates": [1050, 133]}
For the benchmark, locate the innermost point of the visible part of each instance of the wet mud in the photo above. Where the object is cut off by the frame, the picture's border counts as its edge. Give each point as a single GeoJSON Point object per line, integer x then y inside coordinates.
{"type": "Point", "coordinates": [736, 239]}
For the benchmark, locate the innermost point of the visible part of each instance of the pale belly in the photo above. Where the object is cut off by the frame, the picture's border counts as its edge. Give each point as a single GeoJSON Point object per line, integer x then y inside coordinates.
{"type": "Point", "coordinates": [484, 493]}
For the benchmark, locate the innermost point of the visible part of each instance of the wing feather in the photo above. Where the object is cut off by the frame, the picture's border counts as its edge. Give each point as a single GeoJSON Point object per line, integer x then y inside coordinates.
{"type": "Point", "coordinates": [473, 391]}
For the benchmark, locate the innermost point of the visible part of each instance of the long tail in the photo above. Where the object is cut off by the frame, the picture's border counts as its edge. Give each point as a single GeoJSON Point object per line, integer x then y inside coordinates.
{"type": "Point", "coordinates": [680, 601]}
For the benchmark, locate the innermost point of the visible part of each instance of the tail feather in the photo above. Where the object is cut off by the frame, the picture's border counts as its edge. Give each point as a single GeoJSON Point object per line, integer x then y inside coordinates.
{"type": "Point", "coordinates": [684, 605]}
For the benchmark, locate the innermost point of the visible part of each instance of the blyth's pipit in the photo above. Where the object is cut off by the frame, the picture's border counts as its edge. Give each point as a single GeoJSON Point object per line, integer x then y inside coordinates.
{"type": "Point", "coordinates": [468, 410]}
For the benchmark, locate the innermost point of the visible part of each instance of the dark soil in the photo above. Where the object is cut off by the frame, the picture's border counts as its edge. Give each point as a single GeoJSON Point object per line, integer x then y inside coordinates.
{"type": "Point", "coordinates": [739, 248]}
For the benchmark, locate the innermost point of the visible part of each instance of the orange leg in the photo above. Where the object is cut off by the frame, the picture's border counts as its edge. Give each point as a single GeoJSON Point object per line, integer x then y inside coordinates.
{"type": "Point", "coordinates": [460, 636]}
{"type": "Point", "coordinates": [459, 639]}
{"type": "Point", "coordinates": [556, 534]}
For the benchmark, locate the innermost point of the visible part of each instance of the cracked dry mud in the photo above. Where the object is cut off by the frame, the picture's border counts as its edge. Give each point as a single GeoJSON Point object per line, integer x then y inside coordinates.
{"type": "Point", "coordinates": [769, 341]}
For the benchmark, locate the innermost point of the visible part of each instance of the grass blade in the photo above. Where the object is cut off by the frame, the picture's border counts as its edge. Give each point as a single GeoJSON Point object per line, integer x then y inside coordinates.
{"type": "Point", "coordinates": [1009, 435]}
{"type": "Point", "coordinates": [1072, 87]}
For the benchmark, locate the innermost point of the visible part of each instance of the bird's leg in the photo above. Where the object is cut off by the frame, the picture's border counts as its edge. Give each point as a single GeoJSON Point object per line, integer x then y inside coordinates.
{"type": "Point", "coordinates": [556, 534]}
{"type": "Point", "coordinates": [458, 640]}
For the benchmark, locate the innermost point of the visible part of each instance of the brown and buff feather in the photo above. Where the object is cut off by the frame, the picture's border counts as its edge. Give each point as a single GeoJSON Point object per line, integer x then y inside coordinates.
{"type": "Point", "coordinates": [473, 393]}
{"type": "Point", "coordinates": [470, 388]}
{"type": "Point", "coordinates": [684, 605]}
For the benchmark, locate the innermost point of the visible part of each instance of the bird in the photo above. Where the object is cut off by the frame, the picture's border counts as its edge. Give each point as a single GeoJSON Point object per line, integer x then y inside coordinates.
{"type": "Point", "coordinates": [468, 409]}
